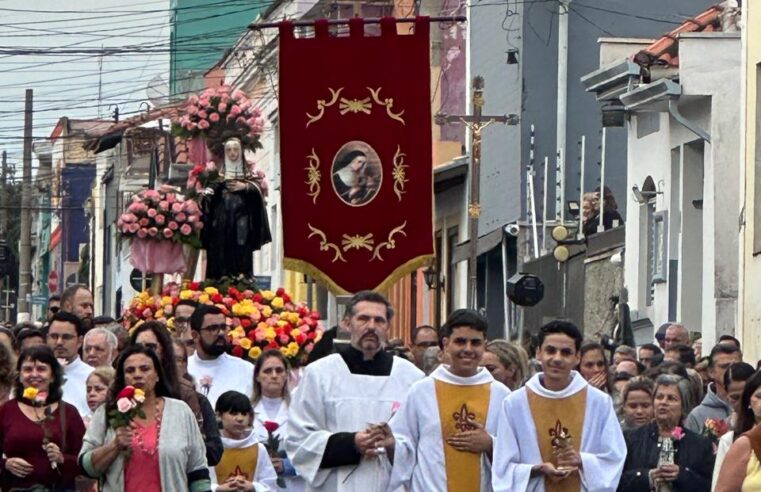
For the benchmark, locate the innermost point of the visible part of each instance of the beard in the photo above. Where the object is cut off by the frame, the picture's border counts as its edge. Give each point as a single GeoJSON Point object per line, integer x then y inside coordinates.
{"type": "Point", "coordinates": [216, 348]}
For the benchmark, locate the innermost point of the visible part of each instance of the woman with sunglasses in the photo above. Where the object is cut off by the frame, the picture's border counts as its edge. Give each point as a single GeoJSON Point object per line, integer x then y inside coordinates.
{"type": "Point", "coordinates": [271, 400]}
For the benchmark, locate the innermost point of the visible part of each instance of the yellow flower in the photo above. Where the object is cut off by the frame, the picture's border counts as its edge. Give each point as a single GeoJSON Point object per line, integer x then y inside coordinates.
{"type": "Point", "coordinates": [245, 343]}
{"type": "Point", "coordinates": [281, 323]}
{"type": "Point", "coordinates": [186, 294]}
{"type": "Point", "coordinates": [30, 393]}
{"type": "Point", "coordinates": [269, 333]}
{"type": "Point", "coordinates": [284, 351]}
{"type": "Point", "coordinates": [170, 324]}
{"type": "Point", "coordinates": [139, 395]}
{"type": "Point", "coordinates": [295, 332]}
{"type": "Point", "coordinates": [266, 311]}
{"type": "Point", "coordinates": [203, 299]}
{"type": "Point", "coordinates": [277, 303]}
{"type": "Point", "coordinates": [268, 295]}
{"type": "Point", "coordinates": [255, 352]}
{"type": "Point", "coordinates": [211, 291]}
{"type": "Point", "coordinates": [166, 301]}
{"type": "Point", "coordinates": [159, 314]}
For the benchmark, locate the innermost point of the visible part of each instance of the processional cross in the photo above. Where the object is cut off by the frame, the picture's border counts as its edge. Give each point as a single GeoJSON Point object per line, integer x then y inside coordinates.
{"type": "Point", "coordinates": [476, 123]}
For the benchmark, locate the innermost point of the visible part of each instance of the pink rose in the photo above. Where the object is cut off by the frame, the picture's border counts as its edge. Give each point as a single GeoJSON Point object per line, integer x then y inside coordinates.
{"type": "Point", "coordinates": [235, 110]}
{"type": "Point", "coordinates": [237, 94]}
{"type": "Point", "coordinates": [125, 228]}
{"type": "Point", "coordinates": [192, 109]}
{"type": "Point", "coordinates": [152, 212]}
{"type": "Point", "coordinates": [134, 227]}
{"type": "Point", "coordinates": [211, 166]}
{"type": "Point", "coordinates": [198, 225]}
{"type": "Point", "coordinates": [186, 229]}
{"type": "Point", "coordinates": [190, 207]}
{"type": "Point", "coordinates": [180, 217]}
{"type": "Point", "coordinates": [203, 125]}
{"type": "Point", "coordinates": [123, 405]}
{"type": "Point", "coordinates": [153, 231]}
{"type": "Point", "coordinates": [142, 233]}
{"type": "Point", "coordinates": [143, 222]}
{"type": "Point", "coordinates": [222, 106]}
{"type": "Point", "coordinates": [160, 219]}
{"type": "Point", "coordinates": [164, 205]}
{"type": "Point", "coordinates": [192, 218]}
{"type": "Point", "coordinates": [173, 225]}
{"type": "Point", "coordinates": [177, 207]}
{"type": "Point", "coordinates": [193, 99]}
{"type": "Point", "coordinates": [129, 218]}
{"type": "Point", "coordinates": [203, 114]}
{"type": "Point", "coordinates": [204, 102]}
{"type": "Point", "coordinates": [214, 117]}
{"type": "Point", "coordinates": [168, 233]}
{"type": "Point", "coordinates": [171, 198]}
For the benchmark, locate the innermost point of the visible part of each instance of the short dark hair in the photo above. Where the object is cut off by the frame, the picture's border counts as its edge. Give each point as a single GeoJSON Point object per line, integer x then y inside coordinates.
{"type": "Point", "coordinates": [187, 302]}
{"type": "Point", "coordinates": [722, 348]}
{"type": "Point", "coordinates": [686, 354]}
{"type": "Point", "coordinates": [739, 371]}
{"type": "Point", "coordinates": [652, 347]}
{"type": "Point", "coordinates": [369, 296]}
{"type": "Point", "coordinates": [196, 320]}
{"type": "Point", "coordinates": [563, 328]}
{"type": "Point", "coordinates": [418, 329]}
{"type": "Point", "coordinates": [732, 339]}
{"type": "Point", "coordinates": [27, 333]}
{"type": "Point", "coordinates": [68, 294]}
{"type": "Point", "coordinates": [102, 320]}
{"type": "Point", "coordinates": [54, 297]}
{"type": "Point", "coordinates": [162, 389]}
{"type": "Point", "coordinates": [233, 402]}
{"type": "Point", "coordinates": [66, 317]}
{"type": "Point", "coordinates": [44, 354]}
{"type": "Point", "coordinates": [464, 317]}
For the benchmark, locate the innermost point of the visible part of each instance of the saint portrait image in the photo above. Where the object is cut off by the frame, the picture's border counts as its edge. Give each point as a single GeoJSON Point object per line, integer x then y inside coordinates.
{"type": "Point", "coordinates": [357, 173]}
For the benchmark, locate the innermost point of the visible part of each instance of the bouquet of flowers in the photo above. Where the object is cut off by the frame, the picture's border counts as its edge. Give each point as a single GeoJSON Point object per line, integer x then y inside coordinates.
{"type": "Point", "coordinates": [202, 176]}
{"type": "Point", "coordinates": [129, 404]}
{"type": "Point", "coordinates": [217, 114]}
{"type": "Point", "coordinates": [259, 319]}
{"type": "Point", "coordinates": [161, 215]}
{"type": "Point", "coordinates": [715, 428]}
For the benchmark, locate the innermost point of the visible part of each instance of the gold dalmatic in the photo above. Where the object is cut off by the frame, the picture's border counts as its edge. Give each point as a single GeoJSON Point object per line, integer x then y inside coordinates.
{"type": "Point", "coordinates": [459, 407]}
{"type": "Point", "coordinates": [559, 423]}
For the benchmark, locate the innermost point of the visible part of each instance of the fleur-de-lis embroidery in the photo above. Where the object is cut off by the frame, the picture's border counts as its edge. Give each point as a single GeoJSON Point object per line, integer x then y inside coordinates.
{"type": "Point", "coordinates": [464, 419]}
{"type": "Point", "coordinates": [559, 434]}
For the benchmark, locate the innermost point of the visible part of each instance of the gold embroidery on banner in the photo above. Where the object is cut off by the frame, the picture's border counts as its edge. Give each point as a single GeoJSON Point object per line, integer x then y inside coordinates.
{"type": "Point", "coordinates": [321, 105]}
{"type": "Point", "coordinates": [325, 245]}
{"type": "Point", "coordinates": [464, 419]}
{"type": "Point", "coordinates": [358, 242]}
{"type": "Point", "coordinates": [399, 174]}
{"type": "Point", "coordinates": [313, 176]}
{"type": "Point", "coordinates": [390, 243]}
{"type": "Point", "coordinates": [388, 103]}
{"type": "Point", "coordinates": [355, 106]}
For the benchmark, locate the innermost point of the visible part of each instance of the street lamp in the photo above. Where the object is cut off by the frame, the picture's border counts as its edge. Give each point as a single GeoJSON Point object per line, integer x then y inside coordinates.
{"type": "Point", "coordinates": [432, 279]}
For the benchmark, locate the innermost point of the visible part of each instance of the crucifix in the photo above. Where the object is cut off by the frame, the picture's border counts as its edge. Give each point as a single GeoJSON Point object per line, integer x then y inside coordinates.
{"type": "Point", "coordinates": [476, 124]}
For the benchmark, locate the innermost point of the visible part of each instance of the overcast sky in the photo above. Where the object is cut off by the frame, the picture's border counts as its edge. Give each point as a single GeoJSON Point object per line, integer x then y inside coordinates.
{"type": "Point", "coordinates": [81, 58]}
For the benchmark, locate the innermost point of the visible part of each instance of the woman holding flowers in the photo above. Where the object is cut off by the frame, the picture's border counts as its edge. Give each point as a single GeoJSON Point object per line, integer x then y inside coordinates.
{"type": "Point", "coordinates": [40, 434]}
{"type": "Point", "coordinates": [664, 456]}
{"type": "Point", "coordinates": [271, 400]}
{"type": "Point", "coordinates": [142, 439]}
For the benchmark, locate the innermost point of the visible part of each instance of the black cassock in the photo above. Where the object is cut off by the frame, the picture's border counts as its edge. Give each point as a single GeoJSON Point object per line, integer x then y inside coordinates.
{"type": "Point", "coordinates": [235, 225]}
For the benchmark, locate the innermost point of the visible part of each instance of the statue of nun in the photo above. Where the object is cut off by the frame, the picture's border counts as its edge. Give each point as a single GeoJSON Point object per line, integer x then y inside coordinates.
{"type": "Point", "coordinates": [235, 218]}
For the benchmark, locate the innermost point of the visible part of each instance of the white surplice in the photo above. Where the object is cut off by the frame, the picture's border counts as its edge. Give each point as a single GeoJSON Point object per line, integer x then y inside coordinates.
{"type": "Point", "coordinates": [265, 478]}
{"type": "Point", "coordinates": [419, 460]}
{"type": "Point", "coordinates": [292, 484]}
{"type": "Point", "coordinates": [331, 399]}
{"type": "Point", "coordinates": [516, 449]}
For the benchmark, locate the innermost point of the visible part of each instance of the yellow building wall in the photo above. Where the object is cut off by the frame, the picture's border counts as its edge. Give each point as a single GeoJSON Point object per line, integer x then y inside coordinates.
{"type": "Point", "coordinates": [750, 309]}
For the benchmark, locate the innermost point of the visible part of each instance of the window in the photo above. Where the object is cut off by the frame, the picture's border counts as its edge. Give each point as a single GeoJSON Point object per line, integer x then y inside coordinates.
{"type": "Point", "coordinates": [757, 169]}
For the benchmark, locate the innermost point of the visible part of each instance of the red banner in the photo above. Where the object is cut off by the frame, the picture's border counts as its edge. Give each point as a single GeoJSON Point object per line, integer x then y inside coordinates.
{"type": "Point", "coordinates": [355, 144]}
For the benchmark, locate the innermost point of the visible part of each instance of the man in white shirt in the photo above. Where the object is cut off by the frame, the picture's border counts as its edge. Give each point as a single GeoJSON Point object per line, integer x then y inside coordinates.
{"type": "Point", "coordinates": [212, 368]}
{"type": "Point", "coordinates": [65, 338]}
{"type": "Point", "coordinates": [99, 347]}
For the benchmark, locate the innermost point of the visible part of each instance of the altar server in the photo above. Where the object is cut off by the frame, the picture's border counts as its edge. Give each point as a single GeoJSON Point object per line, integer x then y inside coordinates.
{"type": "Point", "coordinates": [444, 433]}
{"type": "Point", "coordinates": [336, 418]}
{"type": "Point", "coordinates": [557, 433]}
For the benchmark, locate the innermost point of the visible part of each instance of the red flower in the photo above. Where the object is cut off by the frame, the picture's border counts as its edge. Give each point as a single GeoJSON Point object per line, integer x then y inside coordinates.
{"type": "Point", "coordinates": [195, 286]}
{"type": "Point", "coordinates": [300, 339]}
{"type": "Point", "coordinates": [238, 351]}
{"type": "Point", "coordinates": [216, 298]}
{"type": "Point", "coordinates": [286, 298]}
{"type": "Point", "coordinates": [252, 335]}
{"type": "Point", "coordinates": [272, 345]}
{"type": "Point", "coordinates": [271, 426]}
{"type": "Point", "coordinates": [245, 322]}
{"type": "Point", "coordinates": [127, 392]}
{"type": "Point", "coordinates": [279, 292]}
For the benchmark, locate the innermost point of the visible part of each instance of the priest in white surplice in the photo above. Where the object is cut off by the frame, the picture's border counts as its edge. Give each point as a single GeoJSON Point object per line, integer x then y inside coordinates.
{"type": "Point", "coordinates": [336, 418]}
{"type": "Point", "coordinates": [443, 435]}
{"type": "Point", "coordinates": [557, 433]}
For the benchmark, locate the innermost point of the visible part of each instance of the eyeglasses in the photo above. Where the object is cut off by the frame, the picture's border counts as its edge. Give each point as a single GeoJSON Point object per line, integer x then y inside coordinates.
{"type": "Point", "coordinates": [427, 344]}
{"type": "Point", "coordinates": [54, 309]}
{"type": "Point", "coordinates": [66, 337]}
{"type": "Point", "coordinates": [214, 328]}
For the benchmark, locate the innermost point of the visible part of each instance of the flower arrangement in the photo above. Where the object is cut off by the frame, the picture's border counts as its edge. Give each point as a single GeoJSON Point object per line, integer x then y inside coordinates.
{"type": "Point", "coordinates": [715, 428]}
{"type": "Point", "coordinates": [129, 404]}
{"type": "Point", "coordinates": [259, 320]}
{"type": "Point", "coordinates": [162, 215]}
{"type": "Point", "coordinates": [217, 114]}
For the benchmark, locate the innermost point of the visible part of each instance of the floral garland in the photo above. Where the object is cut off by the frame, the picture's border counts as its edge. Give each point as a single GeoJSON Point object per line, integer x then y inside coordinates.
{"type": "Point", "coordinates": [260, 320]}
{"type": "Point", "coordinates": [162, 215]}
{"type": "Point", "coordinates": [217, 114]}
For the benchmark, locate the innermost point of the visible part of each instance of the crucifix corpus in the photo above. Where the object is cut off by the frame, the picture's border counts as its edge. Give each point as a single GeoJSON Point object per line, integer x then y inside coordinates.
{"type": "Point", "coordinates": [476, 123]}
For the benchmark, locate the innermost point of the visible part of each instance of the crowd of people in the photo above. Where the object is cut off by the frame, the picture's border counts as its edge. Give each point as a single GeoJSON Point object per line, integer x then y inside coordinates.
{"type": "Point", "coordinates": [89, 405]}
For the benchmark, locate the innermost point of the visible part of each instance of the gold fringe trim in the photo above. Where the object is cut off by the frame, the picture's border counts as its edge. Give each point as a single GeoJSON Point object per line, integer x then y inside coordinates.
{"type": "Point", "coordinates": [402, 270]}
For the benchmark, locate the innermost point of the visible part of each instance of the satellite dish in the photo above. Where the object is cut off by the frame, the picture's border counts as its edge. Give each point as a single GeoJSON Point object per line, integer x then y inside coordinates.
{"type": "Point", "coordinates": [157, 91]}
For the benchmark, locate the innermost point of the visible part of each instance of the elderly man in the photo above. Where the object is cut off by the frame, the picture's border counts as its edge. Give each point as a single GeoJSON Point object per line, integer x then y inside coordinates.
{"type": "Point", "coordinates": [77, 299]}
{"type": "Point", "coordinates": [624, 352]}
{"type": "Point", "coordinates": [99, 347]}
{"type": "Point", "coordinates": [337, 417]}
{"type": "Point", "coordinates": [676, 334]}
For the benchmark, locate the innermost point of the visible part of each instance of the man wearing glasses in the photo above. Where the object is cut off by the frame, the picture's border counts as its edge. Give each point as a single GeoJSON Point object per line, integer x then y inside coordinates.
{"type": "Point", "coordinates": [65, 338]}
{"type": "Point", "coordinates": [423, 337]}
{"type": "Point", "coordinates": [54, 305]}
{"type": "Point", "coordinates": [182, 313]}
{"type": "Point", "coordinates": [338, 414]}
{"type": "Point", "coordinates": [212, 368]}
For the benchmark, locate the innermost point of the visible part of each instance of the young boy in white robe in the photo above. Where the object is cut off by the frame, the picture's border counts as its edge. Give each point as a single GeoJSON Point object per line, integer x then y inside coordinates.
{"type": "Point", "coordinates": [443, 434]}
{"type": "Point", "coordinates": [245, 463]}
{"type": "Point", "coordinates": [558, 433]}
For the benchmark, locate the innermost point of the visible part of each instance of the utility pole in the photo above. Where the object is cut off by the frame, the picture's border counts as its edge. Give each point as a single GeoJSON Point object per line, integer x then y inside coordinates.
{"type": "Point", "coordinates": [476, 123]}
{"type": "Point", "coordinates": [3, 197]}
{"type": "Point", "coordinates": [562, 104]}
{"type": "Point", "coordinates": [25, 246]}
